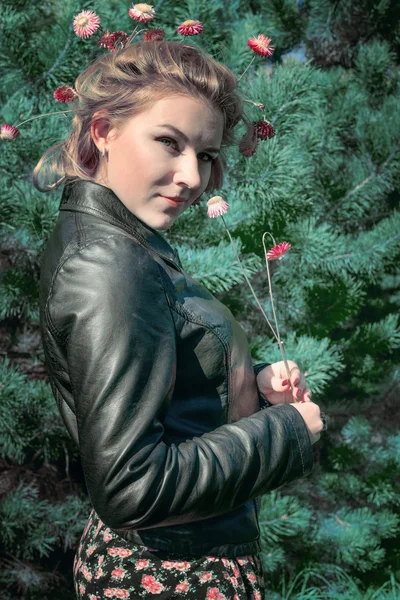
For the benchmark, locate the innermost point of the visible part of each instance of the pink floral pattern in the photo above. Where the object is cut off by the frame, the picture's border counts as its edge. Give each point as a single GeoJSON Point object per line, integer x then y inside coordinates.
{"type": "Point", "coordinates": [107, 566]}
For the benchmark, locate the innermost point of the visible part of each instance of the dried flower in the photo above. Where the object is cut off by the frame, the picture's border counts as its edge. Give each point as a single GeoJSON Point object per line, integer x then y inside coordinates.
{"type": "Point", "coordinates": [117, 40]}
{"type": "Point", "coordinates": [278, 251]}
{"type": "Point", "coordinates": [249, 142]}
{"type": "Point", "coordinates": [65, 93]}
{"type": "Point", "coordinates": [142, 12]}
{"type": "Point", "coordinates": [190, 27]}
{"type": "Point", "coordinates": [261, 45]}
{"type": "Point", "coordinates": [9, 132]}
{"type": "Point", "coordinates": [152, 35]}
{"type": "Point", "coordinates": [217, 207]}
{"type": "Point", "coordinates": [86, 23]}
{"type": "Point", "coordinates": [264, 130]}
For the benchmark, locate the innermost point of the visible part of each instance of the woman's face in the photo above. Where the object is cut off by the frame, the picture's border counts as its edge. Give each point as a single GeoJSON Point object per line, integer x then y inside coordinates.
{"type": "Point", "coordinates": [148, 162]}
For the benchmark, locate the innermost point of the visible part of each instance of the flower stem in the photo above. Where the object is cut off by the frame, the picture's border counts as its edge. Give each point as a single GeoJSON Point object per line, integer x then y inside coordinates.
{"type": "Point", "coordinates": [249, 284]}
{"type": "Point", "coordinates": [246, 68]}
{"type": "Point", "coordinates": [273, 308]}
{"type": "Point", "coordinates": [45, 115]}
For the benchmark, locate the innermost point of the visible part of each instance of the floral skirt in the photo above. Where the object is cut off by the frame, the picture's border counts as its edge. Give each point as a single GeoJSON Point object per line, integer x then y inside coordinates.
{"type": "Point", "coordinates": [107, 566]}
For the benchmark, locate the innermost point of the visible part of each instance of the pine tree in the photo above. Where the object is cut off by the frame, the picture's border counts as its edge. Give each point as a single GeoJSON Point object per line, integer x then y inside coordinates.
{"type": "Point", "coordinates": [328, 183]}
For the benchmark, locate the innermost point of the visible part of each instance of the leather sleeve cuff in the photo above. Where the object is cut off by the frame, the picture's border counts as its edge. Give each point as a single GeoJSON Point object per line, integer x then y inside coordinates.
{"type": "Point", "coordinates": [264, 403]}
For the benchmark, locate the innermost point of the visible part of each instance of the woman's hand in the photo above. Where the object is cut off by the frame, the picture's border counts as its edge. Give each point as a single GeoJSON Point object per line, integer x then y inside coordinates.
{"type": "Point", "coordinates": [273, 382]}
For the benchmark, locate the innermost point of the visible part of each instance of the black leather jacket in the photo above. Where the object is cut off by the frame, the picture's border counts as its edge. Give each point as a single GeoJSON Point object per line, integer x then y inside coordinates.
{"type": "Point", "coordinates": [154, 381]}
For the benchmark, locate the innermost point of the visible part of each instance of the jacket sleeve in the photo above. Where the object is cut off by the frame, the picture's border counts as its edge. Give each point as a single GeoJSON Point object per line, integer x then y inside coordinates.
{"type": "Point", "coordinates": [119, 337]}
{"type": "Point", "coordinates": [264, 402]}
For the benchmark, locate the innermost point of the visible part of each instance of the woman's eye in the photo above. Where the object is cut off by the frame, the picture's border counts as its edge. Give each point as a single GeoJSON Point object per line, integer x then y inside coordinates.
{"type": "Point", "coordinates": [165, 139]}
{"type": "Point", "coordinates": [168, 140]}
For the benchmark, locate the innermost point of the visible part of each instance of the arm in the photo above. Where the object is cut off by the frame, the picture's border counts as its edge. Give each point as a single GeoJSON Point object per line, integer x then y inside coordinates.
{"type": "Point", "coordinates": [121, 349]}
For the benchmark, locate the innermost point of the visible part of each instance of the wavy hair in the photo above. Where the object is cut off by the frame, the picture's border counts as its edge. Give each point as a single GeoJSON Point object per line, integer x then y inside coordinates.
{"type": "Point", "coordinates": [128, 81]}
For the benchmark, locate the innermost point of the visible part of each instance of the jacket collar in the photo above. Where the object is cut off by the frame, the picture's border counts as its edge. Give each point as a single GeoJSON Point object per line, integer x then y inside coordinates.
{"type": "Point", "coordinates": [86, 196]}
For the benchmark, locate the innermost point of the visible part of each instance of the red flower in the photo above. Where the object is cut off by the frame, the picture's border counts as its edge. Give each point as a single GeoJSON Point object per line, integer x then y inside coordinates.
{"type": "Point", "coordinates": [249, 142]}
{"type": "Point", "coordinates": [264, 130]}
{"type": "Point", "coordinates": [152, 35]}
{"type": "Point", "coordinates": [9, 132]}
{"type": "Point", "coordinates": [142, 12]}
{"type": "Point", "coordinates": [261, 45]}
{"type": "Point", "coordinates": [190, 27]}
{"type": "Point", "coordinates": [278, 251]}
{"type": "Point", "coordinates": [65, 93]}
{"type": "Point", "coordinates": [117, 40]}
{"type": "Point", "coordinates": [86, 24]}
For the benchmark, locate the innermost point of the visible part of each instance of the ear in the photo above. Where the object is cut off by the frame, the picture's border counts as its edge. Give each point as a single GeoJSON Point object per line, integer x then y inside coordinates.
{"type": "Point", "coordinates": [100, 128]}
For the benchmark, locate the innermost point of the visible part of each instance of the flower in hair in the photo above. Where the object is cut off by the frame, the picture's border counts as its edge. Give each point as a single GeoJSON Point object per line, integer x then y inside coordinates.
{"type": "Point", "coordinates": [278, 251]}
{"type": "Point", "coordinates": [264, 130]}
{"type": "Point", "coordinates": [249, 142]}
{"type": "Point", "coordinates": [217, 206]}
{"type": "Point", "coordinates": [8, 132]}
{"type": "Point", "coordinates": [86, 23]}
{"type": "Point", "coordinates": [190, 27]}
{"type": "Point", "coordinates": [261, 45]}
{"type": "Point", "coordinates": [142, 12]}
{"type": "Point", "coordinates": [65, 93]}
{"type": "Point", "coordinates": [152, 35]}
{"type": "Point", "coordinates": [117, 40]}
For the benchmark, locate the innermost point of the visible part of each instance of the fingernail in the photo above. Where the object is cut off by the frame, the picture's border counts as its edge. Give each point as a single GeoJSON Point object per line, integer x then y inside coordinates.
{"type": "Point", "coordinates": [285, 382]}
{"type": "Point", "coordinates": [296, 381]}
{"type": "Point", "coordinates": [298, 393]}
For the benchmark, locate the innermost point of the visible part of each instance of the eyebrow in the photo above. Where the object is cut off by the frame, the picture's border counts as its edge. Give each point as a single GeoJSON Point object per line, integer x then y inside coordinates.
{"type": "Point", "coordinates": [178, 132]}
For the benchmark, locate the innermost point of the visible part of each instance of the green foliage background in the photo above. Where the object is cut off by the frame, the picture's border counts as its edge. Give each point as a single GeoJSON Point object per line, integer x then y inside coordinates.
{"type": "Point", "coordinates": [328, 183]}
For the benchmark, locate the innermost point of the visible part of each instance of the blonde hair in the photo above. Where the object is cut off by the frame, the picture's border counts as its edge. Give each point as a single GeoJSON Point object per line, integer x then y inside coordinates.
{"type": "Point", "coordinates": [130, 80]}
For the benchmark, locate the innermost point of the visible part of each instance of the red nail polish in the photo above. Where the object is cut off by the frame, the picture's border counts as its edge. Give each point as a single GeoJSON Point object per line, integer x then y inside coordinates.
{"type": "Point", "coordinates": [296, 381]}
{"type": "Point", "coordinates": [285, 382]}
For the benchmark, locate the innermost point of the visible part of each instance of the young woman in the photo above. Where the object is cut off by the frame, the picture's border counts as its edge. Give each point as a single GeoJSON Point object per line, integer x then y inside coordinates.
{"type": "Point", "coordinates": [152, 374]}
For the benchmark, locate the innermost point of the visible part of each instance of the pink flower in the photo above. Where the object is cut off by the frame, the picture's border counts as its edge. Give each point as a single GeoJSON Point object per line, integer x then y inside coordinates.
{"type": "Point", "coordinates": [264, 130]}
{"type": "Point", "coordinates": [252, 577]}
{"type": "Point", "coordinates": [99, 573]}
{"type": "Point", "coordinates": [182, 566]}
{"type": "Point", "coordinates": [113, 551]}
{"type": "Point", "coordinates": [113, 41]}
{"type": "Point", "coordinates": [91, 549]}
{"type": "Point", "coordinates": [109, 592]}
{"type": "Point", "coordinates": [214, 594]}
{"type": "Point", "coordinates": [153, 35]}
{"type": "Point", "coordinates": [168, 564]}
{"type": "Point", "coordinates": [256, 596]}
{"type": "Point", "coordinates": [107, 537]}
{"type": "Point", "coordinates": [261, 45]}
{"type": "Point", "coordinates": [182, 587]}
{"type": "Point", "coordinates": [118, 573]}
{"type": "Point", "coordinates": [205, 576]}
{"type": "Point", "coordinates": [65, 93]}
{"type": "Point", "coordinates": [151, 584]}
{"type": "Point", "coordinates": [82, 588]}
{"type": "Point", "coordinates": [278, 251]}
{"type": "Point", "coordinates": [142, 12]}
{"type": "Point", "coordinates": [216, 207]}
{"type": "Point", "coordinates": [121, 593]}
{"type": "Point", "coordinates": [242, 561]}
{"type": "Point", "coordinates": [142, 563]}
{"type": "Point", "coordinates": [190, 27]}
{"type": "Point", "coordinates": [122, 552]}
{"type": "Point", "coordinates": [9, 132]}
{"type": "Point", "coordinates": [86, 24]}
{"type": "Point", "coordinates": [236, 571]}
{"type": "Point", "coordinates": [226, 562]}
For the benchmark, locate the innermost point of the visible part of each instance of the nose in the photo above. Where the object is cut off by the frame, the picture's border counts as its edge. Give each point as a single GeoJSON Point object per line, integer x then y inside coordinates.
{"type": "Point", "coordinates": [187, 171]}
